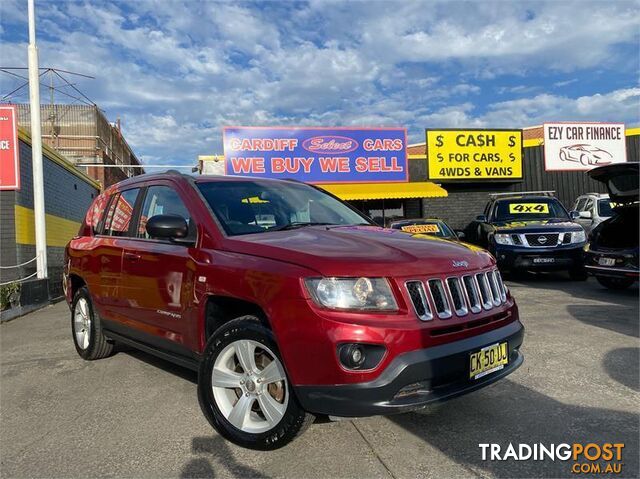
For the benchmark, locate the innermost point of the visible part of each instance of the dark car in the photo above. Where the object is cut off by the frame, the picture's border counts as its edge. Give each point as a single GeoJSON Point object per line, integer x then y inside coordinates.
{"type": "Point", "coordinates": [430, 226]}
{"type": "Point", "coordinates": [287, 301]}
{"type": "Point", "coordinates": [530, 231]}
{"type": "Point", "coordinates": [612, 252]}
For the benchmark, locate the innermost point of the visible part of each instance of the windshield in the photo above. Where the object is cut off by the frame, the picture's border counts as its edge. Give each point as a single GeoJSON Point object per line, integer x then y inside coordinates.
{"type": "Point", "coordinates": [435, 228]}
{"type": "Point", "coordinates": [604, 208]}
{"type": "Point", "coordinates": [254, 206]}
{"type": "Point", "coordinates": [529, 209]}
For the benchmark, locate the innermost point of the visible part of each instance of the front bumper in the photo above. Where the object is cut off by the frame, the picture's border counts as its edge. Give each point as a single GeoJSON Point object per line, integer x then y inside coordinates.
{"type": "Point", "coordinates": [558, 258]}
{"type": "Point", "coordinates": [441, 371]}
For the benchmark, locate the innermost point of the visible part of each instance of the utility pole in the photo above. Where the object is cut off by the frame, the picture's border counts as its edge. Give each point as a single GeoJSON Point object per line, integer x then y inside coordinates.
{"type": "Point", "coordinates": [36, 148]}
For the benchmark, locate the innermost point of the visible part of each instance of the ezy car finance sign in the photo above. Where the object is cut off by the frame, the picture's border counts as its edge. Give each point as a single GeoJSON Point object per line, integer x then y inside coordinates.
{"type": "Point", "coordinates": [583, 146]}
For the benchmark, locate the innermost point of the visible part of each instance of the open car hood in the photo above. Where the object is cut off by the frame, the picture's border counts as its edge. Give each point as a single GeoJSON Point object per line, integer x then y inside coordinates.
{"type": "Point", "coordinates": [621, 180]}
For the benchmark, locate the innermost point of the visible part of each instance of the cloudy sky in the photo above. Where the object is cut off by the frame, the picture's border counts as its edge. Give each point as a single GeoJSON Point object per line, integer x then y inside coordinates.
{"type": "Point", "coordinates": [175, 72]}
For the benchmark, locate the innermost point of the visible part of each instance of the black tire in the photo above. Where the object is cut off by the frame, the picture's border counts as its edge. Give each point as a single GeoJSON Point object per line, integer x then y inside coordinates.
{"type": "Point", "coordinates": [615, 283]}
{"type": "Point", "coordinates": [578, 274]}
{"type": "Point", "coordinates": [295, 420]}
{"type": "Point", "coordinates": [98, 346]}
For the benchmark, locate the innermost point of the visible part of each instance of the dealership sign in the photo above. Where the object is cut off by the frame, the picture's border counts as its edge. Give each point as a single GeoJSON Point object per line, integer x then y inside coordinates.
{"type": "Point", "coordinates": [474, 155]}
{"type": "Point", "coordinates": [582, 146]}
{"type": "Point", "coordinates": [317, 155]}
{"type": "Point", "coordinates": [9, 155]}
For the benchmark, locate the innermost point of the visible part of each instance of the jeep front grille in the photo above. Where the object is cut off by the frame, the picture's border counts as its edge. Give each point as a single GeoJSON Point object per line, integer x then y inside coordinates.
{"type": "Point", "coordinates": [485, 291]}
{"type": "Point", "coordinates": [473, 295]}
{"type": "Point", "coordinates": [459, 295]}
{"type": "Point", "coordinates": [419, 300]}
{"type": "Point", "coordinates": [440, 300]}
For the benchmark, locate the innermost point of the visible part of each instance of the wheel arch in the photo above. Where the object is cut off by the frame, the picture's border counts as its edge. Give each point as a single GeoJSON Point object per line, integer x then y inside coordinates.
{"type": "Point", "coordinates": [219, 310]}
{"type": "Point", "coordinates": [76, 282]}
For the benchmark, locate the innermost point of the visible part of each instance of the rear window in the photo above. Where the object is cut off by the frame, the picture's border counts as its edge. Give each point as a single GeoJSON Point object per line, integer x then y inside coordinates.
{"type": "Point", "coordinates": [120, 216]}
{"type": "Point", "coordinates": [96, 212]}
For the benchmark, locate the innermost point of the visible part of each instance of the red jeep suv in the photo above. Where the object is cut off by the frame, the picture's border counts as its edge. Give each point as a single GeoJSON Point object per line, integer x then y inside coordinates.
{"type": "Point", "coordinates": [288, 302]}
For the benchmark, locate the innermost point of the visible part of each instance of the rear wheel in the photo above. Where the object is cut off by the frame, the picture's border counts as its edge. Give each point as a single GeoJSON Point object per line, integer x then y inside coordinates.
{"type": "Point", "coordinates": [88, 339]}
{"type": "Point", "coordinates": [243, 388]}
{"type": "Point", "coordinates": [615, 283]}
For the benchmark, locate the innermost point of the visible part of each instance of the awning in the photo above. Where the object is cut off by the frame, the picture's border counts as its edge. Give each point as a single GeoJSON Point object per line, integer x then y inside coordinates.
{"type": "Point", "coordinates": [378, 191]}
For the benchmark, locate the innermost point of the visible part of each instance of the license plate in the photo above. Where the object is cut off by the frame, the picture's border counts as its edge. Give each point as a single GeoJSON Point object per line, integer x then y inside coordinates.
{"type": "Point", "coordinates": [606, 261]}
{"type": "Point", "coordinates": [544, 260]}
{"type": "Point", "coordinates": [488, 360]}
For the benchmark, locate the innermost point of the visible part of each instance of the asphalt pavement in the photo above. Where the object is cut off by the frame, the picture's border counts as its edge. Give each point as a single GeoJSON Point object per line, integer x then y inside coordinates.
{"type": "Point", "coordinates": [133, 415]}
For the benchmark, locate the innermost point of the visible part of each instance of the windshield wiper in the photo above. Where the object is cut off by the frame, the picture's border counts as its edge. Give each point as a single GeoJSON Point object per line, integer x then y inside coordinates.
{"type": "Point", "coordinates": [297, 224]}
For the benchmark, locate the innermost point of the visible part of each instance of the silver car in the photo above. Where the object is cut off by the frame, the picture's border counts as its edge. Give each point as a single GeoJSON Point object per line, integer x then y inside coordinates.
{"type": "Point", "coordinates": [593, 209]}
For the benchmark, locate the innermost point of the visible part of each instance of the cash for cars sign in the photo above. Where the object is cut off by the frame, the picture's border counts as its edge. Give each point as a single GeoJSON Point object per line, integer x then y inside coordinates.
{"type": "Point", "coordinates": [317, 155]}
{"type": "Point", "coordinates": [9, 160]}
{"type": "Point", "coordinates": [582, 146]}
{"type": "Point", "coordinates": [472, 155]}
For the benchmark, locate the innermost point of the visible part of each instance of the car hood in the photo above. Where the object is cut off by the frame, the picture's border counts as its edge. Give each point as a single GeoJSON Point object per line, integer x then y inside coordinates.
{"type": "Point", "coordinates": [538, 226]}
{"type": "Point", "coordinates": [621, 180]}
{"type": "Point", "coordinates": [362, 251]}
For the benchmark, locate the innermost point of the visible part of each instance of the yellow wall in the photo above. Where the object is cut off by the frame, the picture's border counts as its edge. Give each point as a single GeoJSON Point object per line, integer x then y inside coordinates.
{"type": "Point", "coordinates": [59, 230]}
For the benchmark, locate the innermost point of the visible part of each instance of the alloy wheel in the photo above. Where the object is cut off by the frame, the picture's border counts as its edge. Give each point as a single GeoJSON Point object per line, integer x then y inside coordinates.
{"type": "Point", "coordinates": [250, 386]}
{"type": "Point", "coordinates": [82, 323]}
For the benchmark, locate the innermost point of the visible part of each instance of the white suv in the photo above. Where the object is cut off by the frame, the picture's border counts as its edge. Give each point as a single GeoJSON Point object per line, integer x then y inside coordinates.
{"type": "Point", "coordinates": [593, 209]}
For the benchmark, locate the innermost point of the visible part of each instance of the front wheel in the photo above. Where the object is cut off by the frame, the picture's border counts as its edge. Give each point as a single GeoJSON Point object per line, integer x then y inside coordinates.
{"type": "Point", "coordinates": [615, 283]}
{"type": "Point", "coordinates": [243, 388]}
{"type": "Point", "coordinates": [578, 274]}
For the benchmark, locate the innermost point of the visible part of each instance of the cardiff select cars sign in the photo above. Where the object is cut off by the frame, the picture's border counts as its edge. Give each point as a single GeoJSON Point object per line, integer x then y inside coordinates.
{"type": "Point", "coordinates": [582, 146]}
{"type": "Point", "coordinates": [474, 155]}
{"type": "Point", "coordinates": [317, 155]}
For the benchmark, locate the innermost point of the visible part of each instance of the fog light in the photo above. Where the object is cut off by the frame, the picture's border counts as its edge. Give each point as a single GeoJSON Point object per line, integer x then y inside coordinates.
{"type": "Point", "coordinates": [352, 356]}
{"type": "Point", "coordinates": [360, 356]}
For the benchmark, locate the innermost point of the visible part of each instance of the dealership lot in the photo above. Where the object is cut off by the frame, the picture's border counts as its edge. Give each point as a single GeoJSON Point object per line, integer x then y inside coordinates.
{"type": "Point", "coordinates": [136, 416]}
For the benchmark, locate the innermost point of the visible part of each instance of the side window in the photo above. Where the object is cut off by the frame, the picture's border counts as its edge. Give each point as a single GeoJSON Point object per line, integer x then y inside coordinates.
{"type": "Point", "coordinates": [162, 200]}
{"type": "Point", "coordinates": [580, 204]}
{"type": "Point", "coordinates": [104, 228]}
{"type": "Point", "coordinates": [589, 205]}
{"type": "Point", "coordinates": [120, 219]}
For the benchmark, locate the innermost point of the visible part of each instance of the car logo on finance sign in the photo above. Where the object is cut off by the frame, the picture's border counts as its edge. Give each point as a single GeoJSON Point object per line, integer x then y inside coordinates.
{"type": "Point", "coordinates": [330, 144]}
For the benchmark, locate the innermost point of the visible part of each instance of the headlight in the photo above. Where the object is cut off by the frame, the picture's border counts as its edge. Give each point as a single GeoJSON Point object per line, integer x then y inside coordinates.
{"type": "Point", "coordinates": [578, 237]}
{"type": "Point", "coordinates": [502, 238]}
{"type": "Point", "coordinates": [365, 294]}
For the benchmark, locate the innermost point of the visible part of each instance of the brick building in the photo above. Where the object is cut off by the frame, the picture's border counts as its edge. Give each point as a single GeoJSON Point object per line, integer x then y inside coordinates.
{"type": "Point", "coordinates": [83, 135]}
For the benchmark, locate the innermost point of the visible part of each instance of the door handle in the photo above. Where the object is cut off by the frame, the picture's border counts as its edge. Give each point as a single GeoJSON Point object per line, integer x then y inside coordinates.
{"type": "Point", "coordinates": [132, 256]}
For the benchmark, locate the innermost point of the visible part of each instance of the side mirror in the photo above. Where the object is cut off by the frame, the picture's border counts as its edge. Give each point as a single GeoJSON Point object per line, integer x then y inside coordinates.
{"type": "Point", "coordinates": [167, 227]}
{"type": "Point", "coordinates": [460, 234]}
{"type": "Point", "coordinates": [586, 215]}
{"type": "Point", "coordinates": [574, 215]}
{"type": "Point", "coordinates": [481, 218]}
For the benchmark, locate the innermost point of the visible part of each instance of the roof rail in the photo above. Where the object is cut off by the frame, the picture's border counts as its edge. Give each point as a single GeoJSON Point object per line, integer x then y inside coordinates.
{"type": "Point", "coordinates": [523, 193]}
{"type": "Point", "coordinates": [173, 172]}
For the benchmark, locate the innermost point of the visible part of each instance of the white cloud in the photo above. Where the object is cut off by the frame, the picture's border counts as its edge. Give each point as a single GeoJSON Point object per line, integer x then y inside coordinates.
{"type": "Point", "coordinates": [176, 72]}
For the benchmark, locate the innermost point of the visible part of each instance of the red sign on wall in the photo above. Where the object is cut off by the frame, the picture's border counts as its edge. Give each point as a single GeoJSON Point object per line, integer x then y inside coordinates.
{"type": "Point", "coordinates": [9, 155]}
